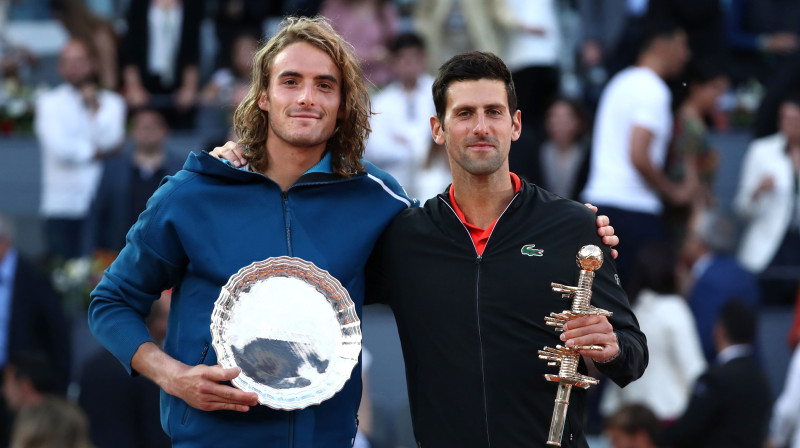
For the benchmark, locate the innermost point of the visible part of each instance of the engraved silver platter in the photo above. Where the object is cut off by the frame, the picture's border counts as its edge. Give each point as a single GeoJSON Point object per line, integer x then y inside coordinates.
{"type": "Point", "coordinates": [292, 329]}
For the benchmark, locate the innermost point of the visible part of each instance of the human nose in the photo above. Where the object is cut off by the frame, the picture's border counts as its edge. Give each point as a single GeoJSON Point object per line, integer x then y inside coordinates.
{"type": "Point", "coordinates": [480, 126]}
{"type": "Point", "coordinates": [307, 96]}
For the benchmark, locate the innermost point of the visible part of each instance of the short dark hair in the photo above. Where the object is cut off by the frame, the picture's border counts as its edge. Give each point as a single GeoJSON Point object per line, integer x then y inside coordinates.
{"type": "Point", "coordinates": [657, 28]}
{"type": "Point", "coordinates": [34, 366]}
{"type": "Point", "coordinates": [738, 319]}
{"type": "Point", "coordinates": [406, 40]}
{"type": "Point", "coordinates": [792, 98]}
{"type": "Point", "coordinates": [655, 269]}
{"type": "Point", "coordinates": [471, 66]}
{"type": "Point", "coordinates": [632, 418]}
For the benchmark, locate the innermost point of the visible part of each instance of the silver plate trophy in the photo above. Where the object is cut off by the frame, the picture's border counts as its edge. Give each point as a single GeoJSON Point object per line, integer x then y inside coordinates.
{"type": "Point", "coordinates": [292, 329]}
{"type": "Point", "coordinates": [590, 259]}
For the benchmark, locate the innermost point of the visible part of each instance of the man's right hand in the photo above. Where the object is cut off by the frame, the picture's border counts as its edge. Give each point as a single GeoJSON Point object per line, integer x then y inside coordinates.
{"type": "Point", "coordinates": [232, 152]}
{"type": "Point", "coordinates": [199, 387]}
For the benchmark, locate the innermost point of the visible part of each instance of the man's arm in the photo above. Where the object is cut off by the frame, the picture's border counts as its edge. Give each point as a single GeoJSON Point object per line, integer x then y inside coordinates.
{"type": "Point", "coordinates": [678, 194]}
{"type": "Point", "coordinates": [124, 297]}
{"type": "Point", "coordinates": [624, 353]}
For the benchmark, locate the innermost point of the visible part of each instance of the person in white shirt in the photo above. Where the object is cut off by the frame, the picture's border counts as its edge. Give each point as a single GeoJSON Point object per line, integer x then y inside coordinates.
{"type": "Point", "coordinates": [629, 147]}
{"type": "Point", "coordinates": [77, 124]}
{"type": "Point", "coordinates": [784, 427]}
{"type": "Point", "coordinates": [401, 141]}
{"type": "Point", "coordinates": [768, 201]}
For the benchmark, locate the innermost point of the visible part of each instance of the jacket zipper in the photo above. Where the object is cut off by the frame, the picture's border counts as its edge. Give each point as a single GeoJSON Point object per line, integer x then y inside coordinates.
{"type": "Point", "coordinates": [478, 260]}
{"type": "Point", "coordinates": [287, 221]}
{"type": "Point", "coordinates": [202, 358]}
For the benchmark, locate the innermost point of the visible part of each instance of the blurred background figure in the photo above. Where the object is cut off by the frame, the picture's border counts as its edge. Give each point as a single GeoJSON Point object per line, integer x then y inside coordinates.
{"type": "Point", "coordinates": [96, 32]}
{"type": "Point", "coordinates": [370, 26]}
{"type": "Point", "coordinates": [710, 275]}
{"type": "Point", "coordinates": [77, 124]}
{"type": "Point", "coordinates": [532, 55]}
{"type": "Point", "coordinates": [226, 89]}
{"type": "Point", "coordinates": [235, 18]}
{"type": "Point", "coordinates": [32, 321]}
{"type": "Point", "coordinates": [53, 423]}
{"type": "Point", "coordinates": [27, 379]}
{"type": "Point", "coordinates": [758, 34]}
{"type": "Point", "coordinates": [768, 200]}
{"type": "Point", "coordinates": [629, 145]}
{"type": "Point", "coordinates": [401, 141]}
{"type": "Point", "coordinates": [560, 163]}
{"type": "Point", "coordinates": [676, 359]}
{"type": "Point", "coordinates": [784, 430]}
{"type": "Point", "coordinates": [691, 153]}
{"type": "Point", "coordinates": [632, 426]}
{"type": "Point", "coordinates": [731, 401]}
{"type": "Point", "coordinates": [131, 419]}
{"type": "Point", "coordinates": [130, 179]}
{"type": "Point", "coordinates": [161, 53]}
{"type": "Point", "coordinates": [450, 27]}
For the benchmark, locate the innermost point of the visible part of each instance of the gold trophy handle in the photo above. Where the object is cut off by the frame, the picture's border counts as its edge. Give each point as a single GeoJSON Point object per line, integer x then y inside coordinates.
{"type": "Point", "coordinates": [559, 415]}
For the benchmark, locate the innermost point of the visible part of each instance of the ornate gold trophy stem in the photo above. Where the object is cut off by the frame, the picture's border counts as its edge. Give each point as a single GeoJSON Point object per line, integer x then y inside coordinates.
{"type": "Point", "coordinates": [589, 259]}
{"type": "Point", "coordinates": [559, 414]}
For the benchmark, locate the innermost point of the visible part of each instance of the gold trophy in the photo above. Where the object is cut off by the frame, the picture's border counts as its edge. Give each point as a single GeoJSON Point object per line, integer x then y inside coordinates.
{"type": "Point", "coordinates": [589, 258]}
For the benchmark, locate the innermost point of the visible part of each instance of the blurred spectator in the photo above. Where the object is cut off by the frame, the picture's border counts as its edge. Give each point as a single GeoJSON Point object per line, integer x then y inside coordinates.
{"type": "Point", "coordinates": [27, 379]}
{"type": "Point", "coordinates": [632, 426]}
{"type": "Point", "coordinates": [31, 314]}
{"type": "Point", "coordinates": [235, 18]}
{"type": "Point", "coordinates": [401, 141]}
{"type": "Point", "coordinates": [130, 179]}
{"type": "Point", "coordinates": [450, 27]}
{"type": "Point", "coordinates": [676, 359]}
{"type": "Point", "coordinates": [711, 275]}
{"type": "Point", "coordinates": [629, 148]}
{"type": "Point", "coordinates": [225, 81]}
{"type": "Point", "coordinates": [691, 153]}
{"type": "Point", "coordinates": [784, 80]}
{"type": "Point", "coordinates": [161, 56]}
{"type": "Point", "coordinates": [603, 25]}
{"type": "Point", "coordinates": [768, 200]}
{"type": "Point", "coordinates": [731, 402]}
{"type": "Point", "coordinates": [752, 35]}
{"type": "Point", "coordinates": [534, 45]}
{"type": "Point", "coordinates": [53, 423]}
{"type": "Point", "coordinates": [370, 26]}
{"type": "Point", "coordinates": [99, 34]}
{"type": "Point", "coordinates": [132, 419]}
{"type": "Point", "coordinates": [560, 164]}
{"type": "Point", "coordinates": [784, 428]}
{"type": "Point", "coordinates": [77, 124]}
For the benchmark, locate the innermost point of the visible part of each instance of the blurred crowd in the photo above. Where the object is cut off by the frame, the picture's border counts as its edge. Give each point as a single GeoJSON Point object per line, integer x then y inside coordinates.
{"type": "Point", "coordinates": [620, 100]}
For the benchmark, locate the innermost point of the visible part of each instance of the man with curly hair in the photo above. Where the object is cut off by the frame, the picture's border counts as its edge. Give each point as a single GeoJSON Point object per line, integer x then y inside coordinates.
{"type": "Point", "coordinates": [306, 194]}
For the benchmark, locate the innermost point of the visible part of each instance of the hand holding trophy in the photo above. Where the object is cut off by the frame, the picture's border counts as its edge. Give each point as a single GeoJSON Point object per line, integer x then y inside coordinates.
{"type": "Point", "coordinates": [590, 259]}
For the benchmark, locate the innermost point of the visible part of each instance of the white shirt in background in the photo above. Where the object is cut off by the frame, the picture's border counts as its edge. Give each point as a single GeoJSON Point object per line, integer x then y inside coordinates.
{"type": "Point", "coordinates": [70, 136]}
{"type": "Point", "coordinates": [636, 96]}
{"type": "Point", "coordinates": [676, 358]}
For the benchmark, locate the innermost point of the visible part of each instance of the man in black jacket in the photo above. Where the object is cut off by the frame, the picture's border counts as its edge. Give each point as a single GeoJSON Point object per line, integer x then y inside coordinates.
{"type": "Point", "coordinates": [731, 402]}
{"type": "Point", "coordinates": [468, 278]}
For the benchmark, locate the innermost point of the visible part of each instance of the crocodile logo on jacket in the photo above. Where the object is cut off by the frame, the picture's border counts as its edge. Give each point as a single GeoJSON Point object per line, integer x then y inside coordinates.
{"type": "Point", "coordinates": [529, 250]}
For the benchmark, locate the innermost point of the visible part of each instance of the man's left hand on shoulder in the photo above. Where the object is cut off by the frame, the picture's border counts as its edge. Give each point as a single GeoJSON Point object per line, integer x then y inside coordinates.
{"type": "Point", "coordinates": [592, 330]}
{"type": "Point", "coordinates": [606, 231]}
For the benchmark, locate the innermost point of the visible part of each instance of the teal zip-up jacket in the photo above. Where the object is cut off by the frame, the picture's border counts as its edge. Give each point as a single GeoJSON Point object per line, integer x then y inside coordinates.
{"type": "Point", "coordinates": [200, 227]}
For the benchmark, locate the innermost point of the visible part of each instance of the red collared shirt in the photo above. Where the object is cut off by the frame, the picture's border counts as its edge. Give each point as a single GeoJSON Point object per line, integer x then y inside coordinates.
{"type": "Point", "coordinates": [480, 236]}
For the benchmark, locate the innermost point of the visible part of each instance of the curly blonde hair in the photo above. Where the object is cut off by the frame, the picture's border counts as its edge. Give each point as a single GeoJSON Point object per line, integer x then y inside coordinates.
{"type": "Point", "coordinates": [348, 141]}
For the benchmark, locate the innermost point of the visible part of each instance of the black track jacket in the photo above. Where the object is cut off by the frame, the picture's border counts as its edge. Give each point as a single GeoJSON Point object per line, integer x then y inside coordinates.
{"type": "Point", "coordinates": [471, 326]}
